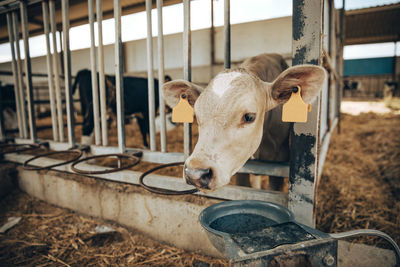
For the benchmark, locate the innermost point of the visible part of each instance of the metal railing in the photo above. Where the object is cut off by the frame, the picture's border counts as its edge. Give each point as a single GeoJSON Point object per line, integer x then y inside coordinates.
{"type": "Point", "coordinates": [313, 55]}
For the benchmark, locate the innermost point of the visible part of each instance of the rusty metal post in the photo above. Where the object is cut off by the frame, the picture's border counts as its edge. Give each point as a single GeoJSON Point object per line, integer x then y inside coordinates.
{"type": "Point", "coordinates": [67, 73]}
{"type": "Point", "coordinates": [307, 49]}
{"type": "Point", "coordinates": [161, 74]}
{"type": "Point", "coordinates": [102, 83]}
{"type": "Point", "coordinates": [45, 10]}
{"type": "Point", "coordinates": [119, 81]}
{"type": "Point", "coordinates": [56, 66]}
{"type": "Point", "coordinates": [150, 77]}
{"type": "Point", "coordinates": [28, 71]}
{"type": "Point", "coordinates": [187, 72]}
{"type": "Point", "coordinates": [93, 67]}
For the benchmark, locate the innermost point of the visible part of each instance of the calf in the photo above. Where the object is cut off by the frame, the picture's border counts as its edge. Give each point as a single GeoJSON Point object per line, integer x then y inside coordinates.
{"type": "Point", "coordinates": [239, 115]}
{"type": "Point", "coordinates": [135, 98]}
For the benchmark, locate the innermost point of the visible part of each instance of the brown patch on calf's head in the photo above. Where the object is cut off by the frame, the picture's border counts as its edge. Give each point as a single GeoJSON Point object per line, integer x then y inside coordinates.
{"type": "Point", "coordinates": [309, 77]}
{"type": "Point", "coordinates": [174, 89]}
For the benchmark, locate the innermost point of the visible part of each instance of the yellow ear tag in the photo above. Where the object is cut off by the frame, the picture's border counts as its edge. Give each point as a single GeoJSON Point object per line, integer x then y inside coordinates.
{"type": "Point", "coordinates": [183, 111]}
{"type": "Point", "coordinates": [295, 109]}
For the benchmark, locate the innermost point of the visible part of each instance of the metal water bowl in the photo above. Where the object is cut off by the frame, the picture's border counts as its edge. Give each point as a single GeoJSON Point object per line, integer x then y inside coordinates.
{"type": "Point", "coordinates": [240, 216]}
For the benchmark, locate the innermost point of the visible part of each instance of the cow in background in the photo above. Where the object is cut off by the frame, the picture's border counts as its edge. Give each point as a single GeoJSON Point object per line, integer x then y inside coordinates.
{"type": "Point", "coordinates": [135, 101]}
{"type": "Point", "coordinates": [8, 107]}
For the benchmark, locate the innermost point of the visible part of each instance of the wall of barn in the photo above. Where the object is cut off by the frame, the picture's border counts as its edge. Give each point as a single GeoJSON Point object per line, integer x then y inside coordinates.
{"type": "Point", "coordinates": [248, 39]}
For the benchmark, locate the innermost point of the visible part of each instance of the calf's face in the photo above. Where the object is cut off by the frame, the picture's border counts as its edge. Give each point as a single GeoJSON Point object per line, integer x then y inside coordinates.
{"type": "Point", "coordinates": [230, 115]}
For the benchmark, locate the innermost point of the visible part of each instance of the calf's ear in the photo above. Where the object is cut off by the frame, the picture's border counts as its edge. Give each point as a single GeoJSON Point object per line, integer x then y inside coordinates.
{"type": "Point", "coordinates": [174, 89]}
{"type": "Point", "coordinates": [309, 77]}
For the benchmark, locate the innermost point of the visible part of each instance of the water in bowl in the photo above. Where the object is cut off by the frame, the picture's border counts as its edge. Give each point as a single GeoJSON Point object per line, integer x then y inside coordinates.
{"type": "Point", "coordinates": [241, 223]}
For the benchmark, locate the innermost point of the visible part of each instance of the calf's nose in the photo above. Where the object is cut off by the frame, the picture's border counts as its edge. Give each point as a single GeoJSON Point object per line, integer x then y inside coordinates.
{"type": "Point", "coordinates": [198, 177]}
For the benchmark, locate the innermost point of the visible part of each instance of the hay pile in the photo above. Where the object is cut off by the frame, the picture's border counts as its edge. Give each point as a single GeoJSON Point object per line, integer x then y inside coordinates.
{"type": "Point", "coordinates": [51, 236]}
{"type": "Point", "coordinates": [360, 183]}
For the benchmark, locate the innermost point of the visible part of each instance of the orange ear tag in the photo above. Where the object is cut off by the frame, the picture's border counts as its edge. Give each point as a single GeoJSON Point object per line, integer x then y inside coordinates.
{"type": "Point", "coordinates": [183, 111]}
{"type": "Point", "coordinates": [295, 109]}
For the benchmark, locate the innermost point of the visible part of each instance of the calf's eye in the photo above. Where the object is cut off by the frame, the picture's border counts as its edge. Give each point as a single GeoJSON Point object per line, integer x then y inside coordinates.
{"type": "Point", "coordinates": [249, 117]}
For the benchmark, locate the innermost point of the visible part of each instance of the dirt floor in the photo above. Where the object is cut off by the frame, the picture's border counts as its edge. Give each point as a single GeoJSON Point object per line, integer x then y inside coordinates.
{"type": "Point", "coordinates": [51, 236]}
{"type": "Point", "coordinates": [359, 188]}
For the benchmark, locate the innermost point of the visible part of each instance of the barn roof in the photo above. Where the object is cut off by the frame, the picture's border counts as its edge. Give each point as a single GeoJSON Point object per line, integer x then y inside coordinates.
{"type": "Point", "coordinates": [78, 10]}
{"type": "Point", "coordinates": [373, 25]}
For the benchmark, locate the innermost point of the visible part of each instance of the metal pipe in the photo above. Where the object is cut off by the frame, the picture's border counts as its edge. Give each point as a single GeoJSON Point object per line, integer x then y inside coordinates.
{"type": "Point", "coordinates": [20, 77]}
{"type": "Point", "coordinates": [119, 81]}
{"type": "Point", "coordinates": [95, 90]}
{"type": "Point", "coordinates": [150, 78]}
{"type": "Point", "coordinates": [100, 54]}
{"type": "Point", "coordinates": [227, 34]}
{"type": "Point", "coordinates": [187, 72]}
{"type": "Point", "coordinates": [14, 69]}
{"type": "Point", "coordinates": [28, 71]}
{"type": "Point", "coordinates": [45, 10]}
{"type": "Point", "coordinates": [161, 74]}
{"type": "Point", "coordinates": [67, 73]}
{"type": "Point", "coordinates": [212, 37]}
{"type": "Point", "coordinates": [56, 65]}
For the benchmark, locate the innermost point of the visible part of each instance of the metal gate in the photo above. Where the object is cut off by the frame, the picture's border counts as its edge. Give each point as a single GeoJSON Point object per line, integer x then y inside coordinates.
{"type": "Point", "coordinates": [316, 25]}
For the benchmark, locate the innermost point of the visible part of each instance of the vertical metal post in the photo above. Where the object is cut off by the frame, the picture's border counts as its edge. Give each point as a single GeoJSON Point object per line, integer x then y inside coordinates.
{"type": "Point", "coordinates": [187, 72]}
{"type": "Point", "coordinates": [95, 90]}
{"type": "Point", "coordinates": [2, 131]}
{"type": "Point", "coordinates": [102, 85]}
{"type": "Point", "coordinates": [307, 49]}
{"type": "Point", "coordinates": [45, 10]}
{"type": "Point", "coordinates": [67, 73]}
{"type": "Point", "coordinates": [150, 78]}
{"type": "Point", "coordinates": [10, 27]}
{"type": "Point", "coordinates": [227, 33]}
{"type": "Point", "coordinates": [212, 36]}
{"type": "Point", "coordinates": [340, 62]}
{"type": "Point", "coordinates": [56, 66]}
{"type": "Point", "coordinates": [161, 74]}
{"type": "Point", "coordinates": [28, 71]}
{"type": "Point", "coordinates": [20, 77]}
{"type": "Point", "coordinates": [119, 81]}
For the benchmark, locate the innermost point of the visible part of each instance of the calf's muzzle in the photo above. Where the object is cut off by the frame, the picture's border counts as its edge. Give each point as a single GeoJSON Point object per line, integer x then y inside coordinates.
{"type": "Point", "coordinates": [200, 178]}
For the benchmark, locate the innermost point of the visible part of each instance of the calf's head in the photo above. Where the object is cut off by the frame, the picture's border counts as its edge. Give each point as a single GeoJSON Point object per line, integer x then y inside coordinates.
{"type": "Point", "coordinates": [230, 115]}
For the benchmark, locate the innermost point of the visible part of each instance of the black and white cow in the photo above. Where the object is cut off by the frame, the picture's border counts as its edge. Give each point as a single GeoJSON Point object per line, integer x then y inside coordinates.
{"type": "Point", "coordinates": [8, 107]}
{"type": "Point", "coordinates": [135, 101]}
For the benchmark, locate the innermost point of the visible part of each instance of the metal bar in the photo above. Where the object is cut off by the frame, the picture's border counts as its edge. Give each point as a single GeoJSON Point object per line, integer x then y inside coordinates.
{"type": "Point", "coordinates": [67, 73]}
{"type": "Point", "coordinates": [227, 33]}
{"type": "Point", "coordinates": [56, 66]}
{"type": "Point", "coordinates": [95, 90]}
{"type": "Point", "coordinates": [161, 74]}
{"type": "Point", "coordinates": [325, 146]}
{"type": "Point", "coordinates": [150, 77]}
{"type": "Point", "coordinates": [28, 71]}
{"type": "Point", "coordinates": [252, 166]}
{"type": "Point", "coordinates": [187, 72]}
{"type": "Point", "coordinates": [341, 61]}
{"type": "Point", "coordinates": [53, 111]}
{"type": "Point", "coordinates": [307, 49]}
{"type": "Point", "coordinates": [132, 177]}
{"type": "Point", "coordinates": [212, 37]}
{"type": "Point", "coordinates": [102, 85]}
{"type": "Point", "coordinates": [20, 78]}
{"type": "Point", "coordinates": [2, 130]}
{"type": "Point", "coordinates": [119, 81]}
{"type": "Point", "coordinates": [10, 27]}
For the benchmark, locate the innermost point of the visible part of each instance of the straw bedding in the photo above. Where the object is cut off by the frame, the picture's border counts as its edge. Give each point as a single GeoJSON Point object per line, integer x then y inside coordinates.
{"type": "Point", "coordinates": [360, 183]}
{"type": "Point", "coordinates": [359, 188]}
